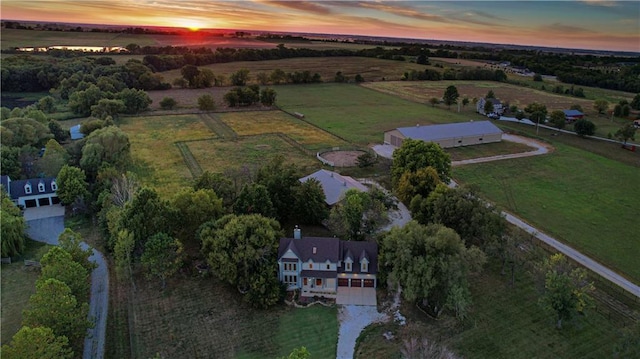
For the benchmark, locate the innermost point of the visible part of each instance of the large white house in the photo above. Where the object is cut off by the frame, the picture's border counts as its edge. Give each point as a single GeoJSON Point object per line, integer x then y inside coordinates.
{"type": "Point", "coordinates": [317, 266]}
{"type": "Point", "coordinates": [33, 192]}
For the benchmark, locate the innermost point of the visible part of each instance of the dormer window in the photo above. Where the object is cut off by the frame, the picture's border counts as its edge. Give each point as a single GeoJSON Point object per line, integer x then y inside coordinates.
{"type": "Point", "coordinates": [27, 188]}
{"type": "Point", "coordinates": [54, 186]}
{"type": "Point", "coordinates": [347, 265]}
{"type": "Point", "coordinates": [41, 187]}
{"type": "Point", "coordinates": [364, 267]}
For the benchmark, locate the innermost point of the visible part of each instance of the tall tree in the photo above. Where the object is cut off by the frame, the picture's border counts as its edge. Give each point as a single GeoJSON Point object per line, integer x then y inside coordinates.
{"type": "Point", "coordinates": [145, 215]}
{"type": "Point", "coordinates": [192, 209]}
{"type": "Point", "coordinates": [240, 77]}
{"type": "Point", "coordinates": [450, 96]}
{"type": "Point", "coordinates": [54, 306]}
{"type": "Point", "coordinates": [58, 264]}
{"type": "Point", "coordinates": [566, 289]}
{"type": "Point", "coordinates": [72, 184]}
{"type": "Point", "coordinates": [357, 216]}
{"type": "Point", "coordinates": [54, 157]}
{"type": "Point", "coordinates": [421, 182]}
{"type": "Point", "coordinates": [162, 257]}
{"type": "Point", "coordinates": [280, 179]}
{"type": "Point", "coordinates": [220, 184]}
{"type": "Point", "coordinates": [18, 132]}
{"type": "Point", "coordinates": [109, 144]}
{"type": "Point", "coordinates": [416, 154]}
{"type": "Point", "coordinates": [310, 203]}
{"type": "Point", "coordinates": [135, 101]}
{"type": "Point", "coordinates": [626, 132]}
{"type": "Point", "coordinates": [601, 105]}
{"type": "Point", "coordinates": [254, 199]}
{"type": "Point", "coordinates": [71, 242]}
{"type": "Point", "coordinates": [37, 343]}
{"type": "Point", "coordinates": [431, 265]}
{"type": "Point", "coordinates": [557, 119]}
{"type": "Point", "coordinates": [206, 103]}
{"type": "Point", "coordinates": [584, 127]}
{"type": "Point", "coordinates": [12, 227]}
{"type": "Point", "coordinates": [537, 112]}
{"type": "Point", "coordinates": [242, 251]}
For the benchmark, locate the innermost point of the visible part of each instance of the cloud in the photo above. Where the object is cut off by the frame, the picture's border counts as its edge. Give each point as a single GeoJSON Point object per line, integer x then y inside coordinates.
{"type": "Point", "coordinates": [306, 6]}
{"type": "Point", "coordinates": [391, 8]}
{"type": "Point", "coordinates": [563, 28]}
{"type": "Point", "coordinates": [605, 3]}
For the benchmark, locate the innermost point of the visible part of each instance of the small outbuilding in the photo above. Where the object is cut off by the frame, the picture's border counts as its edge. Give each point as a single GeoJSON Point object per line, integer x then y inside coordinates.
{"type": "Point", "coordinates": [447, 135]}
{"type": "Point", "coordinates": [572, 115]}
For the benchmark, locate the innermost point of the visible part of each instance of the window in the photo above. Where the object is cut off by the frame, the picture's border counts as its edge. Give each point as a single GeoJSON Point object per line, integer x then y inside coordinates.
{"type": "Point", "coordinates": [54, 186]}
{"type": "Point", "coordinates": [318, 282]}
{"type": "Point", "coordinates": [310, 265]}
{"type": "Point", "coordinates": [328, 266]}
{"type": "Point", "coordinates": [40, 187]}
{"type": "Point", "coordinates": [363, 267]}
{"type": "Point", "coordinates": [348, 266]}
{"type": "Point", "coordinates": [27, 188]}
{"type": "Point", "coordinates": [480, 139]}
{"type": "Point", "coordinates": [294, 266]}
{"type": "Point", "coordinates": [305, 281]}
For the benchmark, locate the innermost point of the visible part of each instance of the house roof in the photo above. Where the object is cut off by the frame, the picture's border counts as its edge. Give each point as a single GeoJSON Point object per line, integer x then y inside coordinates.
{"type": "Point", "coordinates": [75, 133]}
{"type": "Point", "coordinates": [572, 113]}
{"type": "Point", "coordinates": [334, 185]}
{"type": "Point", "coordinates": [494, 101]}
{"type": "Point", "coordinates": [368, 250]}
{"type": "Point", "coordinates": [438, 132]}
{"type": "Point", "coordinates": [17, 187]}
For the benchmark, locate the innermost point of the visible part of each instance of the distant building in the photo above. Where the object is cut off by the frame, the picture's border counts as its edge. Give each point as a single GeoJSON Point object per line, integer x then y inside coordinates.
{"type": "Point", "coordinates": [33, 192]}
{"type": "Point", "coordinates": [447, 135]}
{"type": "Point", "coordinates": [572, 115]}
{"type": "Point", "coordinates": [497, 106]}
{"type": "Point", "coordinates": [334, 185]}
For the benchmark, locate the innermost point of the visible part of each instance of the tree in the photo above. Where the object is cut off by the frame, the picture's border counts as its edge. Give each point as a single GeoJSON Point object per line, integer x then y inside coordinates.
{"type": "Point", "coordinates": [359, 78]}
{"type": "Point", "coordinates": [434, 101]}
{"type": "Point", "coordinates": [477, 222]}
{"type": "Point", "coordinates": [58, 264]}
{"type": "Point", "coordinates": [566, 289]}
{"type": "Point", "coordinates": [626, 132]}
{"type": "Point", "coordinates": [192, 209]}
{"type": "Point", "coordinates": [366, 160]}
{"type": "Point", "coordinates": [240, 77]}
{"type": "Point", "coordinates": [490, 94]}
{"type": "Point", "coordinates": [47, 104]}
{"type": "Point", "coordinates": [537, 112]}
{"type": "Point", "coordinates": [298, 353]}
{"type": "Point", "coordinates": [268, 97]}
{"type": "Point", "coordinates": [519, 115]}
{"type": "Point", "coordinates": [242, 251]}
{"type": "Point", "coordinates": [340, 77]}
{"type": "Point", "coordinates": [72, 184]}
{"type": "Point", "coordinates": [262, 78]}
{"type": "Point", "coordinates": [416, 154]}
{"type": "Point", "coordinates": [450, 96]}
{"type": "Point", "coordinates": [71, 242]}
{"type": "Point", "coordinates": [20, 131]}
{"type": "Point", "coordinates": [557, 119]}
{"type": "Point", "coordinates": [488, 107]}
{"type": "Point", "coordinates": [600, 105]}
{"type": "Point", "coordinates": [59, 134]}
{"type": "Point", "coordinates": [162, 257]}
{"type": "Point", "coordinates": [190, 73]}
{"type": "Point", "coordinates": [584, 127]}
{"type": "Point", "coordinates": [37, 343]}
{"type": "Point", "coordinates": [310, 203]}
{"type": "Point", "coordinates": [109, 144]}
{"type": "Point", "coordinates": [220, 184]}
{"type": "Point", "coordinates": [431, 265]}
{"type": "Point", "coordinates": [465, 102]}
{"type": "Point", "coordinates": [80, 102]}
{"type": "Point", "coordinates": [145, 215]}
{"type": "Point", "coordinates": [13, 227]}
{"type": "Point", "coordinates": [278, 76]}
{"type": "Point", "coordinates": [54, 306]}
{"type": "Point", "coordinates": [537, 78]}
{"type": "Point", "coordinates": [421, 182]}
{"type": "Point", "coordinates": [206, 103]}
{"type": "Point", "coordinates": [168, 103]}
{"type": "Point", "coordinates": [54, 157]}
{"type": "Point", "coordinates": [107, 107]}
{"type": "Point", "coordinates": [280, 180]}
{"type": "Point", "coordinates": [254, 199]}
{"type": "Point", "coordinates": [123, 253]}
{"type": "Point", "coordinates": [635, 103]}
{"type": "Point", "coordinates": [357, 216]}
{"type": "Point", "coordinates": [135, 101]}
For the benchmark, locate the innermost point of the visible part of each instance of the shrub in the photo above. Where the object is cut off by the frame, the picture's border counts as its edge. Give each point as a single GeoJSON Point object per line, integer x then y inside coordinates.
{"type": "Point", "coordinates": [168, 103]}
{"type": "Point", "coordinates": [206, 103]}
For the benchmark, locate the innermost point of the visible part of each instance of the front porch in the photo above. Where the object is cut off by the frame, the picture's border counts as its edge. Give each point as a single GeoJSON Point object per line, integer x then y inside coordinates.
{"type": "Point", "coordinates": [318, 287]}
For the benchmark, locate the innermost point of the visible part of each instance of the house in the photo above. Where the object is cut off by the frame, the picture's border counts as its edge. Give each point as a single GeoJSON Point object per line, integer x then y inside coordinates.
{"type": "Point", "coordinates": [334, 185]}
{"type": "Point", "coordinates": [75, 133]}
{"type": "Point", "coordinates": [572, 115]}
{"type": "Point", "coordinates": [317, 266]}
{"type": "Point", "coordinates": [447, 135]}
{"type": "Point", "coordinates": [33, 192]}
{"type": "Point", "coordinates": [498, 107]}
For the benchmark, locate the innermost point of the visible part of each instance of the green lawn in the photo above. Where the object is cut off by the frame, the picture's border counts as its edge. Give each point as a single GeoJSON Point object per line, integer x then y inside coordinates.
{"type": "Point", "coordinates": [583, 199]}
{"type": "Point", "coordinates": [358, 114]}
{"type": "Point", "coordinates": [18, 284]}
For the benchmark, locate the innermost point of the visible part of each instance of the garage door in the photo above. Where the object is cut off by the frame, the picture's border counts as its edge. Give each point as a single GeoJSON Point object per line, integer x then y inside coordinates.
{"type": "Point", "coordinates": [343, 282]}
{"type": "Point", "coordinates": [43, 201]}
{"type": "Point", "coordinates": [356, 282]}
{"type": "Point", "coordinates": [55, 200]}
{"type": "Point", "coordinates": [30, 203]}
{"type": "Point", "coordinates": [369, 283]}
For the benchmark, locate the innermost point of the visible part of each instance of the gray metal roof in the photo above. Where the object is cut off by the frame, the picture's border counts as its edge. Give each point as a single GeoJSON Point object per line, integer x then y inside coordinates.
{"type": "Point", "coordinates": [572, 113]}
{"type": "Point", "coordinates": [334, 185]}
{"type": "Point", "coordinates": [449, 130]}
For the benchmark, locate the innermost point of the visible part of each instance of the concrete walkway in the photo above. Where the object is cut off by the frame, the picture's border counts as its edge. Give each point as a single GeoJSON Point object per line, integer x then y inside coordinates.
{"type": "Point", "coordinates": [45, 224]}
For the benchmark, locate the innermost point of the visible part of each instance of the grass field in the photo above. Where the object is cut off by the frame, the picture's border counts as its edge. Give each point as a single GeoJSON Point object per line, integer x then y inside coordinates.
{"type": "Point", "coordinates": [18, 284]}
{"type": "Point", "coordinates": [487, 150]}
{"type": "Point", "coordinates": [581, 198]}
{"type": "Point", "coordinates": [33, 38]}
{"type": "Point", "coordinates": [505, 322]}
{"type": "Point", "coordinates": [201, 318]}
{"type": "Point", "coordinates": [156, 159]}
{"type": "Point", "coordinates": [359, 114]}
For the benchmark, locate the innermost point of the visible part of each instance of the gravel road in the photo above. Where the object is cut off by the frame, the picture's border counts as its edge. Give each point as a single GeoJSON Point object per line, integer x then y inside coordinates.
{"type": "Point", "coordinates": [353, 319]}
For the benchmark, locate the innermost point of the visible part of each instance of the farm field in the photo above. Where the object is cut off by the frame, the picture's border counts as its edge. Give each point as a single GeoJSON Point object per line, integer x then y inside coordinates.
{"type": "Point", "coordinates": [358, 114]}
{"type": "Point", "coordinates": [422, 91]}
{"type": "Point", "coordinates": [581, 198]}
{"type": "Point", "coordinates": [505, 322]}
{"type": "Point", "coordinates": [18, 284]}
{"type": "Point", "coordinates": [184, 320]}
{"type": "Point", "coordinates": [32, 38]}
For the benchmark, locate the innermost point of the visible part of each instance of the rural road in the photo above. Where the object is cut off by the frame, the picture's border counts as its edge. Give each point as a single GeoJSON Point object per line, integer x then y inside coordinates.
{"type": "Point", "coordinates": [45, 224]}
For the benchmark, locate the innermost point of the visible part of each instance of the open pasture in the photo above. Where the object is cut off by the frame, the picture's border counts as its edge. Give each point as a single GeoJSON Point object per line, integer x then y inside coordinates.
{"type": "Point", "coordinates": [371, 69]}
{"type": "Point", "coordinates": [261, 122]}
{"type": "Point", "coordinates": [252, 151]}
{"type": "Point", "coordinates": [581, 198]}
{"type": "Point", "coordinates": [486, 150]}
{"type": "Point", "coordinates": [202, 318]}
{"type": "Point", "coordinates": [358, 114]}
{"type": "Point", "coordinates": [156, 159]}
{"type": "Point", "coordinates": [35, 38]}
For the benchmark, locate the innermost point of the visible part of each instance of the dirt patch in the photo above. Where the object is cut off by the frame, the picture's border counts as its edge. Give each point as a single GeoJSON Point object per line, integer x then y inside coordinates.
{"type": "Point", "coordinates": [343, 158]}
{"type": "Point", "coordinates": [263, 147]}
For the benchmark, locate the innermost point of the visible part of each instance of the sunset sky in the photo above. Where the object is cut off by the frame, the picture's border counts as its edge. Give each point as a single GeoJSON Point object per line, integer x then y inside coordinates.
{"type": "Point", "coordinates": [589, 24]}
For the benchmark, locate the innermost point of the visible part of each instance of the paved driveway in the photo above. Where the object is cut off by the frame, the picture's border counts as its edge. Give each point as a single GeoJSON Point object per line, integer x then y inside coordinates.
{"type": "Point", "coordinates": [353, 319]}
{"type": "Point", "coordinates": [44, 224]}
{"type": "Point", "coordinates": [356, 296]}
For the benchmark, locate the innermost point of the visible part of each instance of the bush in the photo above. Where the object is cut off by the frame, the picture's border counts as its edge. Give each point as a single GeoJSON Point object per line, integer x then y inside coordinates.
{"type": "Point", "coordinates": [584, 128]}
{"type": "Point", "coordinates": [206, 103]}
{"type": "Point", "coordinates": [168, 103]}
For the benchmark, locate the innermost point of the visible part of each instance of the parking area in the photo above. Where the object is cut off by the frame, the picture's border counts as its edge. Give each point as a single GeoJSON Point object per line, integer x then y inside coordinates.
{"type": "Point", "coordinates": [356, 296]}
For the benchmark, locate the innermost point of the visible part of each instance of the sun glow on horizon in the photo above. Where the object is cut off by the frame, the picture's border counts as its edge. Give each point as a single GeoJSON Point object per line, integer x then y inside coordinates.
{"type": "Point", "coordinates": [191, 24]}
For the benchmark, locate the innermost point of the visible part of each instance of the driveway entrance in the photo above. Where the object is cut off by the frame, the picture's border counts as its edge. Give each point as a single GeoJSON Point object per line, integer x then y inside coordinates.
{"type": "Point", "coordinates": [356, 296]}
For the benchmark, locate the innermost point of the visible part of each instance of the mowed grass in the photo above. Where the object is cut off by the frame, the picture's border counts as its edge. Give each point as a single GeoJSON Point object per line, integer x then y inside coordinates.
{"type": "Point", "coordinates": [17, 284]}
{"type": "Point", "coordinates": [157, 160]}
{"type": "Point", "coordinates": [583, 199]}
{"type": "Point", "coordinates": [260, 122]}
{"type": "Point", "coordinates": [202, 318]}
{"type": "Point", "coordinates": [487, 150]}
{"type": "Point", "coordinates": [358, 114]}
{"type": "Point", "coordinates": [504, 323]}
{"type": "Point", "coordinates": [251, 151]}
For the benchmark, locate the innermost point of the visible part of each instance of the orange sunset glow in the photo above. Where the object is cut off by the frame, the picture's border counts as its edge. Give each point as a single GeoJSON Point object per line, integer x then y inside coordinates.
{"type": "Point", "coordinates": [594, 24]}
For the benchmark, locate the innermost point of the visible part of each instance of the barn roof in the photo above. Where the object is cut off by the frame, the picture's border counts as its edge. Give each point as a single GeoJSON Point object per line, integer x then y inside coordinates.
{"type": "Point", "coordinates": [449, 130]}
{"type": "Point", "coordinates": [572, 113]}
{"type": "Point", "coordinates": [334, 185]}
